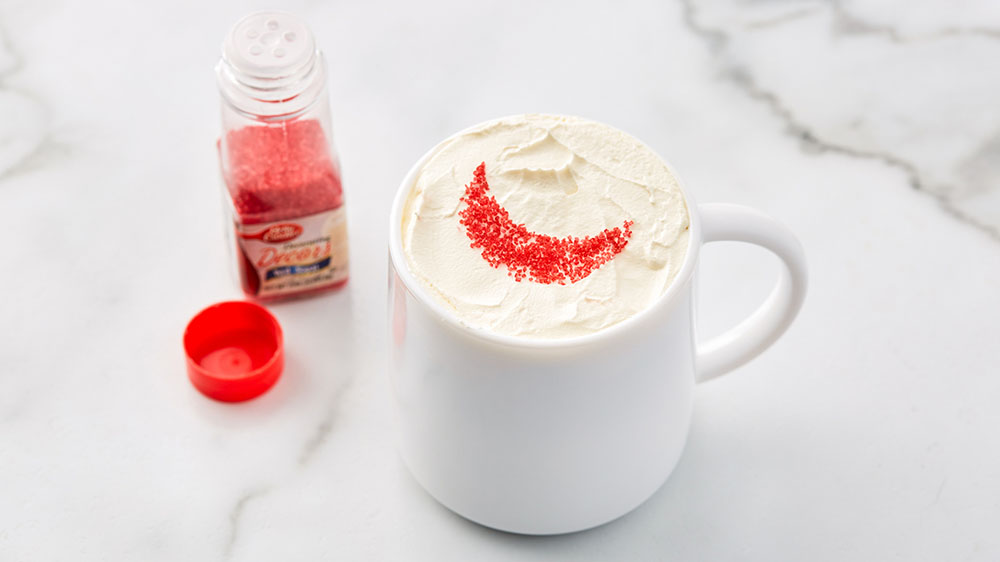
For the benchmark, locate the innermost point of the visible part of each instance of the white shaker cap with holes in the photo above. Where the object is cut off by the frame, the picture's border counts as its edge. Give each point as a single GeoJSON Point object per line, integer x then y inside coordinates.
{"type": "Point", "coordinates": [269, 45]}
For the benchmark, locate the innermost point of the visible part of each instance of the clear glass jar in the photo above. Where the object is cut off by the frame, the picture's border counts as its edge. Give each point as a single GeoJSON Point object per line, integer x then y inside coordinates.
{"type": "Point", "coordinates": [282, 179]}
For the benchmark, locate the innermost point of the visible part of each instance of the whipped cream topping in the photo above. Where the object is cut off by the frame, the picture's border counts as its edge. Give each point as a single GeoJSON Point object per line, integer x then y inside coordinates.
{"type": "Point", "coordinates": [558, 176]}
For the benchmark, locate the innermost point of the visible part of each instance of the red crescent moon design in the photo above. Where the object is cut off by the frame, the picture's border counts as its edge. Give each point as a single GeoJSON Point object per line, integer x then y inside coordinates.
{"type": "Point", "coordinates": [529, 255]}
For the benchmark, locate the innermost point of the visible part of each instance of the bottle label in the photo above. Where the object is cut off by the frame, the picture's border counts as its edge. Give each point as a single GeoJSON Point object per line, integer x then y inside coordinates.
{"type": "Point", "coordinates": [291, 256]}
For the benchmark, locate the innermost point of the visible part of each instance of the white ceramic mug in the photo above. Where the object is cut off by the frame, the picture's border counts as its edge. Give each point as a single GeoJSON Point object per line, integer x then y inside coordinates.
{"type": "Point", "coordinates": [555, 436]}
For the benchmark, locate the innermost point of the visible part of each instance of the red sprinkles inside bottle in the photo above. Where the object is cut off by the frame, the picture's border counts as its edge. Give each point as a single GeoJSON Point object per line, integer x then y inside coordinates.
{"type": "Point", "coordinates": [281, 172]}
{"type": "Point", "coordinates": [528, 255]}
{"type": "Point", "coordinates": [275, 173]}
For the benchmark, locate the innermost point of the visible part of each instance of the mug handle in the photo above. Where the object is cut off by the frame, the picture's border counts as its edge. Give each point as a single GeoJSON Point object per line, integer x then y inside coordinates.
{"type": "Point", "coordinates": [726, 222]}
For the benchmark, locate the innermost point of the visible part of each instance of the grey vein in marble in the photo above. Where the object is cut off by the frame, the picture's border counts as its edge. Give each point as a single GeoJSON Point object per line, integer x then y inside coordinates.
{"type": "Point", "coordinates": [319, 437]}
{"type": "Point", "coordinates": [324, 428]}
{"type": "Point", "coordinates": [847, 22]}
{"type": "Point", "coordinates": [810, 140]}
{"type": "Point", "coordinates": [24, 131]}
{"type": "Point", "coordinates": [783, 18]}
{"type": "Point", "coordinates": [236, 513]}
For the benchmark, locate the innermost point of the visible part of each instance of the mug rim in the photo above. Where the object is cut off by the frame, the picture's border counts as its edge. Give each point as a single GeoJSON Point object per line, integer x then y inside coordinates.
{"type": "Point", "coordinates": [401, 267]}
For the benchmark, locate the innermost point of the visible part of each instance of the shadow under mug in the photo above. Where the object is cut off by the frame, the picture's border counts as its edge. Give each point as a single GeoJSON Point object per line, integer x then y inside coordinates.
{"type": "Point", "coordinates": [556, 436]}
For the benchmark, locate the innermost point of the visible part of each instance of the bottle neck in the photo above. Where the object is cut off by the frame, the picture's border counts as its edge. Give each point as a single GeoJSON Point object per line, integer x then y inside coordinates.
{"type": "Point", "coordinates": [272, 98]}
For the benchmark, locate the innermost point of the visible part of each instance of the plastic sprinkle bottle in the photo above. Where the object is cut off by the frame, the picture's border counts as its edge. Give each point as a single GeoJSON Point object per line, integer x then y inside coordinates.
{"type": "Point", "coordinates": [282, 179]}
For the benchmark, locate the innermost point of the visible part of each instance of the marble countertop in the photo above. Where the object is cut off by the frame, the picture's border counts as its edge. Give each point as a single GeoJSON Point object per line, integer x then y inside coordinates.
{"type": "Point", "coordinates": [871, 431]}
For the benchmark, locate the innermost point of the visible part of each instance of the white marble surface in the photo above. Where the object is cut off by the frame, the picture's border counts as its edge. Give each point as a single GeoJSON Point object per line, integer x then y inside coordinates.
{"type": "Point", "coordinates": [870, 432]}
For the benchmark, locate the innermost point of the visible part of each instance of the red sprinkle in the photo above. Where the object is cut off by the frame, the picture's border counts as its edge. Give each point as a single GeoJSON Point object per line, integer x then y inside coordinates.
{"type": "Point", "coordinates": [529, 255]}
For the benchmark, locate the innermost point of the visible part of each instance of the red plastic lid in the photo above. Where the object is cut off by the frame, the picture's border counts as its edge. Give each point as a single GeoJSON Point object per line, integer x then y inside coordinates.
{"type": "Point", "coordinates": [235, 351]}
